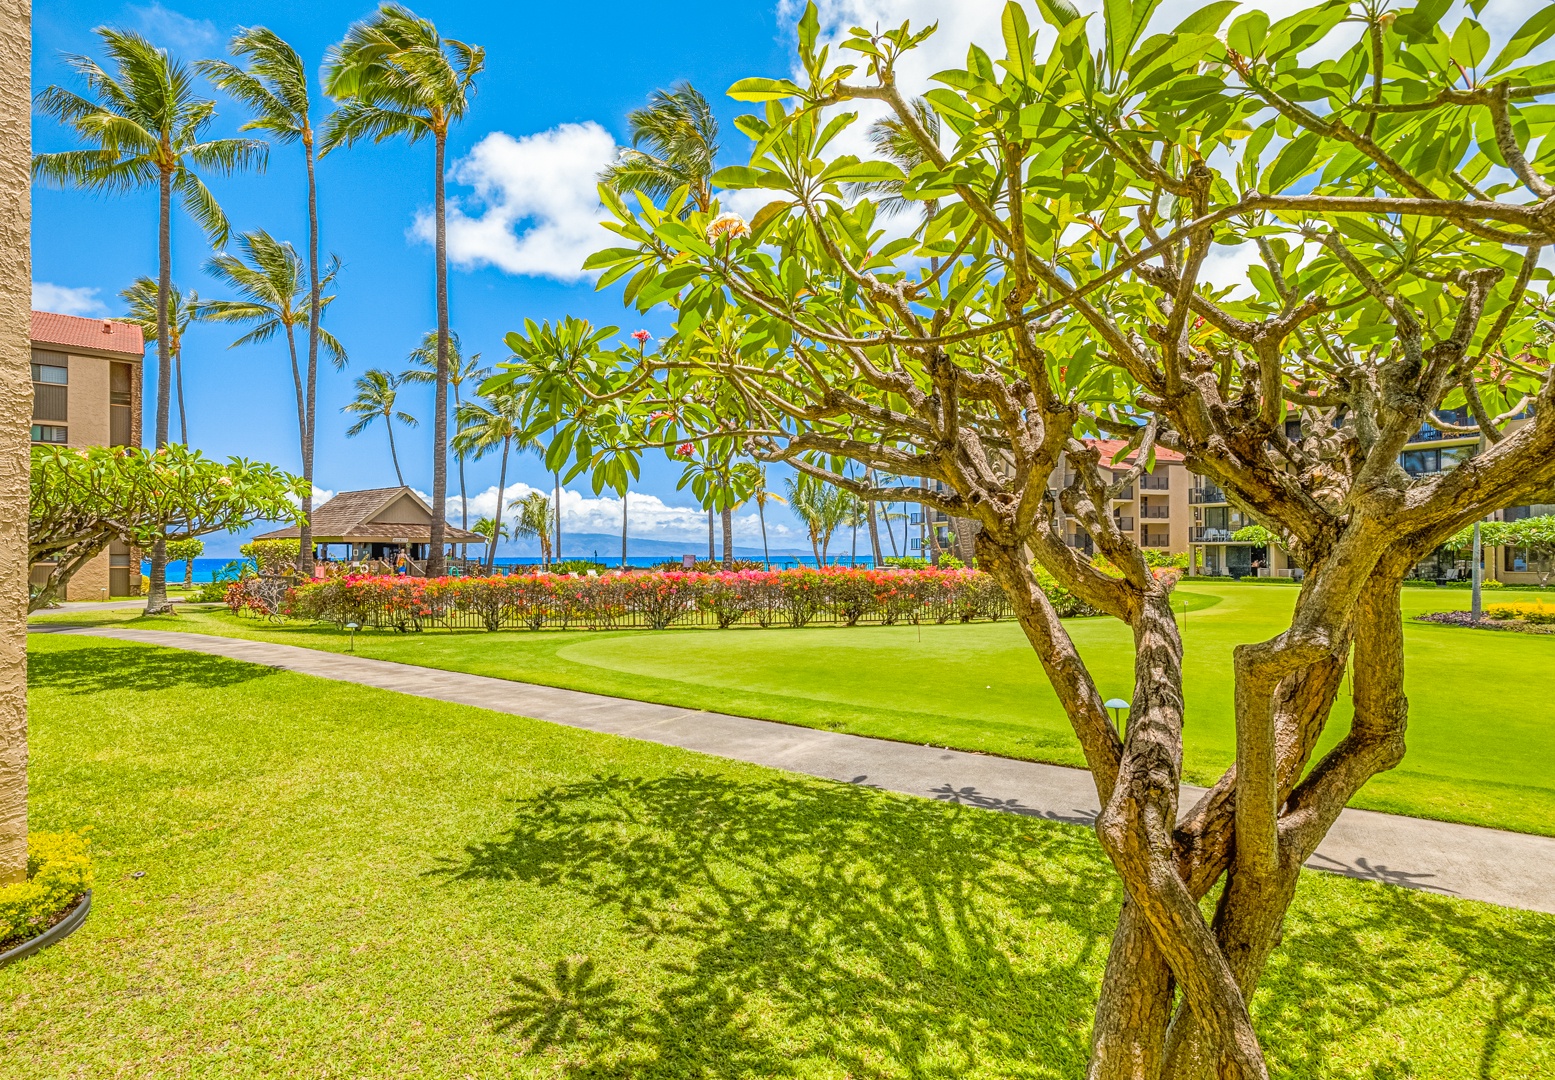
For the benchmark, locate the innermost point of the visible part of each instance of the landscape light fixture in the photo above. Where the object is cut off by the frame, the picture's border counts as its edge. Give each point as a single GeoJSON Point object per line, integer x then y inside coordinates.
{"type": "Point", "coordinates": [1117, 704]}
{"type": "Point", "coordinates": [353, 627]}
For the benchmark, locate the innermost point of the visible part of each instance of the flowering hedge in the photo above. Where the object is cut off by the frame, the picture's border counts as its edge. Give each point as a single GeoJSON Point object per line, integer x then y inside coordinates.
{"type": "Point", "coordinates": [654, 600]}
{"type": "Point", "coordinates": [59, 870]}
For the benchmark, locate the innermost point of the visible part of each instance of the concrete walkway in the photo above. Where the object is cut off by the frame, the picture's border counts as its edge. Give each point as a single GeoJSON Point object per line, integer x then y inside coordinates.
{"type": "Point", "coordinates": [1512, 869]}
{"type": "Point", "coordinates": [65, 607]}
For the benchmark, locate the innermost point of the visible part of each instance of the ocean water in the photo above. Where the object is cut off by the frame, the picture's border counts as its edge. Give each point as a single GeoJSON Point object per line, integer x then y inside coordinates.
{"type": "Point", "coordinates": [207, 569]}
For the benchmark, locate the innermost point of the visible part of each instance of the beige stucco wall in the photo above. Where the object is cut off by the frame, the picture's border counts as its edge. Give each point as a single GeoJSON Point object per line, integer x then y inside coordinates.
{"type": "Point", "coordinates": [15, 424]}
{"type": "Point", "coordinates": [88, 401]}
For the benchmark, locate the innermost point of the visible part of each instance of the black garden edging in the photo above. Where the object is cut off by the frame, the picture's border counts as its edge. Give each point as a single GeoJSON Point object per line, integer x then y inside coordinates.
{"type": "Point", "coordinates": [58, 932]}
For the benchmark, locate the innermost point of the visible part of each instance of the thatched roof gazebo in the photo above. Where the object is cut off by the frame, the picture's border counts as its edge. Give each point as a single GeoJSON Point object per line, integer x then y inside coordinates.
{"type": "Point", "coordinates": [376, 525]}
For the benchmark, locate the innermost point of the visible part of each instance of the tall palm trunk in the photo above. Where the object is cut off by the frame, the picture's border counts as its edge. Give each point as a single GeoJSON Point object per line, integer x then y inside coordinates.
{"type": "Point", "coordinates": [728, 524]}
{"type": "Point", "coordinates": [853, 555]}
{"type": "Point", "coordinates": [156, 595]}
{"type": "Point", "coordinates": [874, 529]}
{"type": "Point", "coordinates": [178, 378]}
{"type": "Point", "coordinates": [557, 476]}
{"type": "Point", "coordinates": [761, 514]}
{"type": "Point", "coordinates": [890, 531]}
{"type": "Point", "coordinates": [496, 527]}
{"type": "Point", "coordinates": [394, 457]}
{"type": "Point", "coordinates": [189, 573]}
{"type": "Point", "coordinates": [302, 397]}
{"type": "Point", "coordinates": [712, 553]}
{"type": "Point", "coordinates": [435, 565]}
{"type": "Point", "coordinates": [315, 314]}
{"type": "Point", "coordinates": [623, 530]}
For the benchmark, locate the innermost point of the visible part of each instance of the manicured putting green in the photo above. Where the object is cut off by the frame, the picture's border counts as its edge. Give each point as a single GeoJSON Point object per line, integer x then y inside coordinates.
{"type": "Point", "coordinates": [1482, 718]}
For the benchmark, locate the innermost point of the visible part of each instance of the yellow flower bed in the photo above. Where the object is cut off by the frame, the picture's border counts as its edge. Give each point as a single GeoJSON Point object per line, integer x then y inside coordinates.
{"type": "Point", "coordinates": [1537, 612]}
{"type": "Point", "coordinates": [59, 869]}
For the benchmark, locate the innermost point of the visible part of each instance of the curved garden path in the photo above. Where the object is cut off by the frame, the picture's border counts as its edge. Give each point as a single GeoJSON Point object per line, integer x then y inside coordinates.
{"type": "Point", "coordinates": [1512, 869]}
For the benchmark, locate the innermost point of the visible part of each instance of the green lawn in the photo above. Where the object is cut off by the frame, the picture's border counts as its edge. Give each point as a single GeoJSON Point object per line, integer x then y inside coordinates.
{"type": "Point", "coordinates": [1482, 722]}
{"type": "Point", "coordinates": [310, 879]}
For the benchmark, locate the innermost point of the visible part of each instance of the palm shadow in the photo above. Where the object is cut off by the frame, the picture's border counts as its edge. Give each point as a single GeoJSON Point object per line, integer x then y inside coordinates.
{"type": "Point", "coordinates": [135, 667]}
{"type": "Point", "coordinates": [803, 929]}
{"type": "Point", "coordinates": [882, 931]}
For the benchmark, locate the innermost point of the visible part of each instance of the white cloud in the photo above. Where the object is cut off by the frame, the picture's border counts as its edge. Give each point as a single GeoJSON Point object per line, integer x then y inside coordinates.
{"type": "Point", "coordinates": [647, 516]}
{"type": "Point", "coordinates": [65, 300]}
{"type": "Point", "coordinates": [534, 211]}
{"type": "Point", "coordinates": [173, 30]}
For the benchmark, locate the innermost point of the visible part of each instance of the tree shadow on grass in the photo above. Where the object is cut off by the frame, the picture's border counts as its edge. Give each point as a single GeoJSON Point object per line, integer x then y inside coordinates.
{"type": "Point", "coordinates": [135, 667]}
{"type": "Point", "coordinates": [799, 929]}
{"type": "Point", "coordinates": [1344, 966]}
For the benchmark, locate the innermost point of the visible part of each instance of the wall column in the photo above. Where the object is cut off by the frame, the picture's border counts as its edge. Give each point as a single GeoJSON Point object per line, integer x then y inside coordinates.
{"type": "Point", "coordinates": [15, 423]}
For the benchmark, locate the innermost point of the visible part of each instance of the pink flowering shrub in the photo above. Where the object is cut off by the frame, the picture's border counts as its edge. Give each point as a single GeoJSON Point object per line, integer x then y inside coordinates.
{"type": "Point", "coordinates": [657, 600]}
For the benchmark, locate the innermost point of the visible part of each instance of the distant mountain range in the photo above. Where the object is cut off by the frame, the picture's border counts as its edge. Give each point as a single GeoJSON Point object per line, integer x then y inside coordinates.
{"type": "Point", "coordinates": [578, 546]}
{"type": "Point", "coordinates": [608, 546]}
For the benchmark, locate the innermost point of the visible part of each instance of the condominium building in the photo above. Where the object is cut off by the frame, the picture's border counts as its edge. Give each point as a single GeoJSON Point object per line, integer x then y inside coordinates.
{"type": "Point", "coordinates": [1433, 450]}
{"type": "Point", "coordinates": [1154, 509]}
{"type": "Point", "coordinates": [86, 391]}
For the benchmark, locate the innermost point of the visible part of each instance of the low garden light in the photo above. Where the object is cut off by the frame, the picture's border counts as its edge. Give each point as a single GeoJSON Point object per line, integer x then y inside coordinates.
{"type": "Point", "coordinates": [353, 627]}
{"type": "Point", "coordinates": [1117, 705]}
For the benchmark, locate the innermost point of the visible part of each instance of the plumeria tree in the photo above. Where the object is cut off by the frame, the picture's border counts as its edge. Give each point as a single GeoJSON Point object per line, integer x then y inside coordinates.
{"type": "Point", "coordinates": [83, 500]}
{"type": "Point", "coordinates": [1391, 208]}
{"type": "Point", "coordinates": [141, 124]}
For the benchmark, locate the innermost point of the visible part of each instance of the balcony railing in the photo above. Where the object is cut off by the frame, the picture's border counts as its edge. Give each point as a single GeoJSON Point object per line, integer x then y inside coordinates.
{"type": "Point", "coordinates": [1124, 524]}
{"type": "Point", "coordinates": [1155, 513]}
{"type": "Point", "coordinates": [1155, 539]}
{"type": "Point", "coordinates": [1202, 535]}
{"type": "Point", "coordinates": [1160, 481]}
{"type": "Point", "coordinates": [1126, 495]}
{"type": "Point", "coordinates": [1207, 493]}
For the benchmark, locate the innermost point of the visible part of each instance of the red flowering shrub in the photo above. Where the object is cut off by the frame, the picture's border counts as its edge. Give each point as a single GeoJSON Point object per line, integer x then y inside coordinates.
{"type": "Point", "coordinates": [653, 599]}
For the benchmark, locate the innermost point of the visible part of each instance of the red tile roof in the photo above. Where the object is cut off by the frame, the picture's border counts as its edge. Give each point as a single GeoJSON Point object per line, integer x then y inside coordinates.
{"type": "Point", "coordinates": [1111, 447]}
{"type": "Point", "coordinates": [72, 331]}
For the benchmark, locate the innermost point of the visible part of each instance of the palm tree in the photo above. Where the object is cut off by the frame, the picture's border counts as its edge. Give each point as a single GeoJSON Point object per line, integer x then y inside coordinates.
{"type": "Point", "coordinates": [761, 495]}
{"type": "Point", "coordinates": [821, 507]}
{"type": "Point", "coordinates": [375, 394]}
{"type": "Point", "coordinates": [895, 143]}
{"type": "Point", "coordinates": [275, 87]}
{"type": "Point", "coordinates": [681, 135]}
{"type": "Point", "coordinates": [484, 427]}
{"type": "Point", "coordinates": [268, 275]}
{"type": "Point", "coordinates": [144, 311]}
{"type": "Point", "coordinates": [461, 369]}
{"type": "Point", "coordinates": [396, 77]}
{"type": "Point", "coordinates": [535, 520]}
{"type": "Point", "coordinates": [874, 528]}
{"type": "Point", "coordinates": [492, 531]}
{"type": "Point", "coordinates": [143, 125]}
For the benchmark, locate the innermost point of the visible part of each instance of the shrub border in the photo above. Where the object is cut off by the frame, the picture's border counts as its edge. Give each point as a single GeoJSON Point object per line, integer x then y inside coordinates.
{"type": "Point", "coordinates": [53, 935]}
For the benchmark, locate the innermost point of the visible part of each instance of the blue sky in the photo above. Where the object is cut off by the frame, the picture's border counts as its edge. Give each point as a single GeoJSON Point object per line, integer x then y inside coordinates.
{"type": "Point", "coordinates": [559, 81]}
{"type": "Point", "coordinates": [552, 104]}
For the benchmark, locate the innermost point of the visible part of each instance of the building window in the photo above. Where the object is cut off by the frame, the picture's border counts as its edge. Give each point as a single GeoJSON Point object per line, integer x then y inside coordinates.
{"type": "Point", "coordinates": [121, 378]}
{"type": "Point", "coordinates": [50, 388]}
{"type": "Point", "coordinates": [1436, 460]}
{"type": "Point", "coordinates": [1519, 560]}
{"type": "Point", "coordinates": [49, 433]}
{"type": "Point", "coordinates": [1518, 513]}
